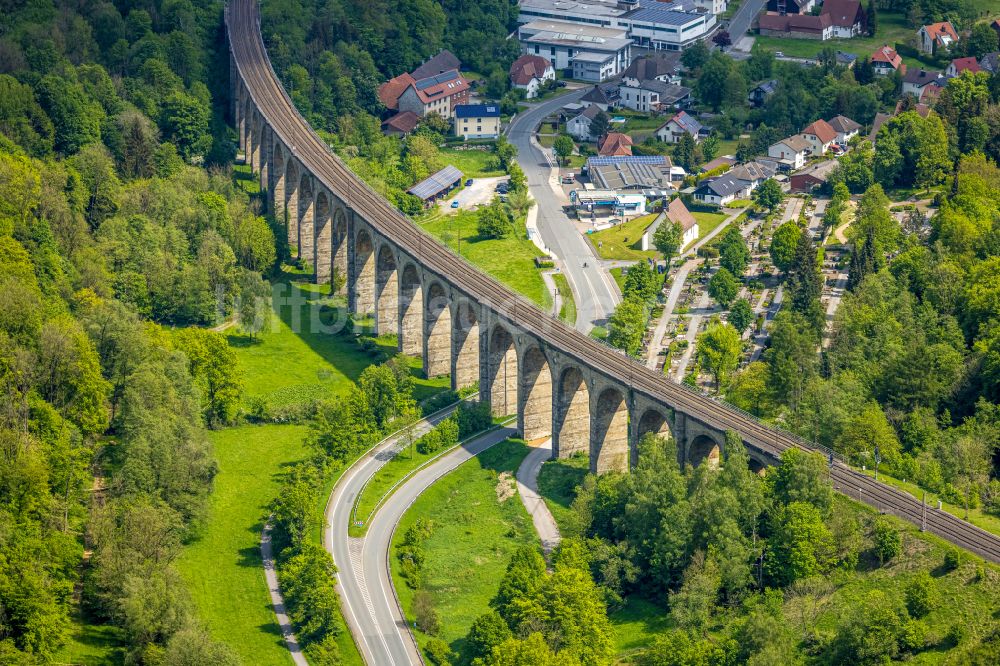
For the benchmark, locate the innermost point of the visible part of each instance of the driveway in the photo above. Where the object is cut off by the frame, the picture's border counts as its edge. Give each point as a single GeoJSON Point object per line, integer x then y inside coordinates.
{"type": "Point", "coordinates": [593, 289]}
{"type": "Point", "coordinates": [479, 193]}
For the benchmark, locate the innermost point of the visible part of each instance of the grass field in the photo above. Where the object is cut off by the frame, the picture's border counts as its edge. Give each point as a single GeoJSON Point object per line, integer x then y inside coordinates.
{"type": "Point", "coordinates": [618, 275]}
{"type": "Point", "coordinates": [707, 222]}
{"type": "Point", "coordinates": [223, 568]}
{"type": "Point", "coordinates": [622, 242]}
{"type": "Point", "coordinates": [567, 311]}
{"type": "Point", "coordinates": [510, 260]}
{"type": "Point", "coordinates": [472, 163]}
{"type": "Point", "coordinates": [92, 645]}
{"type": "Point", "coordinates": [557, 482]}
{"type": "Point", "coordinates": [472, 537]}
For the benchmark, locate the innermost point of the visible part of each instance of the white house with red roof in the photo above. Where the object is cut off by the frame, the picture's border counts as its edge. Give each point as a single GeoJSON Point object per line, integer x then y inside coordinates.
{"type": "Point", "coordinates": [529, 72]}
{"type": "Point", "coordinates": [959, 65]}
{"type": "Point", "coordinates": [820, 136]}
{"type": "Point", "coordinates": [885, 60]}
{"type": "Point", "coordinates": [936, 36]}
{"type": "Point", "coordinates": [680, 124]}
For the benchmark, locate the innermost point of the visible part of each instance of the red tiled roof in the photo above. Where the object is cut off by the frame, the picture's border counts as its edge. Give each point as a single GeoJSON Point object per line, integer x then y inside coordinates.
{"type": "Point", "coordinates": [942, 29]}
{"type": "Point", "coordinates": [528, 67]}
{"type": "Point", "coordinates": [405, 122]}
{"type": "Point", "coordinates": [965, 65]}
{"type": "Point", "coordinates": [615, 143]}
{"type": "Point", "coordinates": [389, 92]}
{"type": "Point", "coordinates": [887, 54]}
{"type": "Point", "coordinates": [794, 22]}
{"type": "Point", "coordinates": [438, 87]}
{"type": "Point", "coordinates": [822, 130]}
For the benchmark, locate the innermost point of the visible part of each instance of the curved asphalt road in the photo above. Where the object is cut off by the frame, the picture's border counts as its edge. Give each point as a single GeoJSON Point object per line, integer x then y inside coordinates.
{"type": "Point", "coordinates": [593, 289]}
{"type": "Point", "coordinates": [363, 581]}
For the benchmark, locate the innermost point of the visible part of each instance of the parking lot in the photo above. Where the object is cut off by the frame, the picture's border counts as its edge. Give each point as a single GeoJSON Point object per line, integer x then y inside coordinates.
{"type": "Point", "coordinates": [477, 194]}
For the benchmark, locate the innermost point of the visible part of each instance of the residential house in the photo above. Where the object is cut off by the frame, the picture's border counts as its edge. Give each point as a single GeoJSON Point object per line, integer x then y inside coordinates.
{"type": "Point", "coordinates": [477, 121]}
{"type": "Point", "coordinates": [678, 213]}
{"type": "Point", "coordinates": [663, 67]}
{"type": "Point", "coordinates": [792, 152]}
{"type": "Point", "coordinates": [796, 26]}
{"type": "Point", "coordinates": [880, 119]}
{"type": "Point", "coordinates": [445, 61]}
{"type": "Point", "coordinates": [845, 128]}
{"type": "Point", "coordinates": [718, 162]}
{"type": "Point", "coordinates": [722, 191]}
{"type": "Point", "coordinates": [931, 38]}
{"type": "Point", "coordinates": [653, 96]}
{"type": "Point", "coordinates": [885, 61]}
{"type": "Point", "coordinates": [916, 80]}
{"type": "Point", "coordinates": [400, 124]}
{"type": "Point", "coordinates": [907, 104]}
{"type": "Point", "coordinates": [996, 26]}
{"type": "Point", "coordinates": [929, 96]}
{"type": "Point", "coordinates": [791, 6]}
{"type": "Point", "coordinates": [680, 124]}
{"type": "Point", "coordinates": [579, 126]}
{"type": "Point", "coordinates": [761, 92]}
{"type": "Point", "coordinates": [990, 62]}
{"type": "Point", "coordinates": [820, 136]}
{"type": "Point", "coordinates": [754, 173]}
{"type": "Point", "coordinates": [615, 144]}
{"type": "Point", "coordinates": [960, 65]}
{"type": "Point", "coordinates": [599, 96]}
{"type": "Point", "coordinates": [846, 59]}
{"type": "Point", "coordinates": [529, 72]}
{"type": "Point", "coordinates": [814, 176]}
{"type": "Point", "coordinates": [847, 16]}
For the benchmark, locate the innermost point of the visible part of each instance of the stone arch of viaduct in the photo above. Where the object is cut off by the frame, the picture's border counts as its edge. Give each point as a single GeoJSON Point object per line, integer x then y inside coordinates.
{"type": "Point", "coordinates": [518, 371]}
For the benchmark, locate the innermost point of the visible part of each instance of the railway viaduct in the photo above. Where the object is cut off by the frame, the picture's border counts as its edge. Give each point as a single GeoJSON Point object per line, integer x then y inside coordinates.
{"type": "Point", "coordinates": [560, 383]}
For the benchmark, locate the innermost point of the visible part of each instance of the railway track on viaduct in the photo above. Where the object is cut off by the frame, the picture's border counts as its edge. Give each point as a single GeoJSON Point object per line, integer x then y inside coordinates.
{"type": "Point", "coordinates": [252, 65]}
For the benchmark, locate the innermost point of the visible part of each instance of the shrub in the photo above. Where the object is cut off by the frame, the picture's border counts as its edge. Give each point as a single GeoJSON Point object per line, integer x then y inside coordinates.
{"type": "Point", "coordinates": [438, 401]}
{"type": "Point", "coordinates": [473, 417]}
{"type": "Point", "coordinates": [887, 542]}
{"type": "Point", "coordinates": [952, 559]}
{"type": "Point", "coordinates": [920, 595]}
{"type": "Point", "coordinates": [438, 652]}
{"type": "Point", "coordinates": [913, 636]}
{"type": "Point", "coordinates": [424, 613]}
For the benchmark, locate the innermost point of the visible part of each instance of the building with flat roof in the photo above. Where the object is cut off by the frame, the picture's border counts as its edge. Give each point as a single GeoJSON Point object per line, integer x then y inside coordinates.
{"type": "Point", "coordinates": [653, 24]}
{"type": "Point", "coordinates": [616, 203]}
{"type": "Point", "coordinates": [592, 53]}
{"type": "Point", "coordinates": [633, 172]}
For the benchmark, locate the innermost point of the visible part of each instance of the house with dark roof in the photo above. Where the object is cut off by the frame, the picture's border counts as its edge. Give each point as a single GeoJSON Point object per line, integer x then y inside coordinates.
{"type": "Point", "coordinates": [880, 119]}
{"type": "Point", "coordinates": [723, 161]}
{"type": "Point", "coordinates": [845, 128]}
{"type": "Point", "coordinates": [529, 72]}
{"type": "Point", "coordinates": [653, 95]}
{"type": "Point", "coordinates": [663, 66]}
{"type": "Point", "coordinates": [400, 124]}
{"type": "Point", "coordinates": [761, 92]}
{"type": "Point", "coordinates": [936, 36]}
{"type": "Point", "coordinates": [754, 173]}
{"type": "Point", "coordinates": [600, 96]}
{"type": "Point", "coordinates": [445, 61]}
{"type": "Point", "coordinates": [723, 190]}
{"type": "Point", "coordinates": [680, 124]}
{"type": "Point", "coordinates": [885, 60]}
{"type": "Point", "coordinates": [990, 62]}
{"type": "Point", "coordinates": [846, 59]}
{"type": "Point", "coordinates": [815, 175]}
{"type": "Point", "coordinates": [916, 80]}
{"type": "Point", "coordinates": [791, 6]}
{"type": "Point", "coordinates": [615, 144]}
{"type": "Point", "coordinates": [579, 126]}
{"type": "Point", "coordinates": [959, 65]}
{"type": "Point", "coordinates": [477, 121]}
{"type": "Point", "coordinates": [847, 16]}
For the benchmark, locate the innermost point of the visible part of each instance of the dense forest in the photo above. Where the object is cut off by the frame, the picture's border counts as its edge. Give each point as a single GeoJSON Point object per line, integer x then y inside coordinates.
{"type": "Point", "coordinates": [112, 231]}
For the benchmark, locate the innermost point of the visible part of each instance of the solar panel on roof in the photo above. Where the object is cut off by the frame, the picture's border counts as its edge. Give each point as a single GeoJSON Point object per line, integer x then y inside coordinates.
{"type": "Point", "coordinates": [661, 16]}
{"type": "Point", "coordinates": [435, 80]}
{"type": "Point", "coordinates": [633, 159]}
{"type": "Point", "coordinates": [436, 183]}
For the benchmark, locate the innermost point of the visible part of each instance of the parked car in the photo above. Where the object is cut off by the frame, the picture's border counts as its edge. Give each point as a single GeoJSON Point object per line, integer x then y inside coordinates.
{"type": "Point", "coordinates": [779, 54]}
{"type": "Point", "coordinates": [502, 188]}
{"type": "Point", "coordinates": [568, 179]}
{"type": "Point", "coordinates": [468, 182]}
{"type": "Point", "coordinates": [454, 204]}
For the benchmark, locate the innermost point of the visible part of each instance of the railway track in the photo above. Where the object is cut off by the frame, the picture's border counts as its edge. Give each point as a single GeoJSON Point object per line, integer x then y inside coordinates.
{"type": "Point", "coordinates": [272, 102]}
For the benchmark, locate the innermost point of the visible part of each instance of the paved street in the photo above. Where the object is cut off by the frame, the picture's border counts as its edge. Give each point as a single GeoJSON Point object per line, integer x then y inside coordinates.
{"type": "Point", "coordinates": [744, 16]}
{"type": "Point", "coordinates": [593, 289]}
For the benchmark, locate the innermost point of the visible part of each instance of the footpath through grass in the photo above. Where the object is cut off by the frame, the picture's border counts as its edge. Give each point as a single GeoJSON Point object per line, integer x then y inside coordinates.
{"type": "Point", "coordinates": [223, 568]}
{"type": "Point", "coordinates": [510, 260]}
{"type": "Point", "coordinates": [477, 522]}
